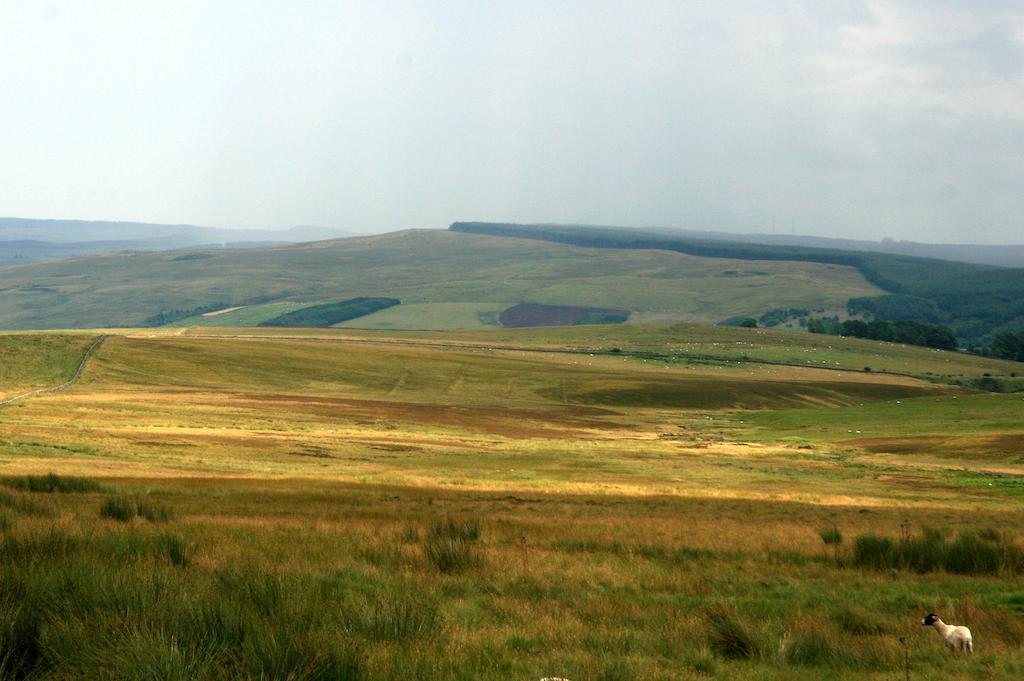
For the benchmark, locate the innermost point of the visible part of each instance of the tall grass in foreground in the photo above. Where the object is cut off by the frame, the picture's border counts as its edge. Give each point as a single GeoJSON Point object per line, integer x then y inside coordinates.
{"type": "Point", "coordinates": [117, 605]}
{"type": "Point", "coordinates": [268, 596]}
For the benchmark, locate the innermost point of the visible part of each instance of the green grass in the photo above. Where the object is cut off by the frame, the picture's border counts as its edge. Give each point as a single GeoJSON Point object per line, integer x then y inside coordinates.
{"type": "Point", "coordinates": [379, 505]}
{"type": "Point", "coordinates": [383, 410]}
{"type": "Point", "coordinates": [35, 361]}
{"type": "Point", "coordinates": [947, 416]}
{"type": "Point", "coordinates": [291, 579]}
{"type": "Point", "coordinates": [249, 315]}
{"type": "Point", "coordinates": [417, 267]}
{"type": "Point", "coordinates": [686, 344]}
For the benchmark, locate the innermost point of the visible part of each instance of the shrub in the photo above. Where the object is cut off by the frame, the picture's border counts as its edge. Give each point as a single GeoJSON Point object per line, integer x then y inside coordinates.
{"type": "Point", "coordinates": [118, 508]}
{"type": "Point", "coordinates": [51, 482]}
{"type": "Point", "coordinates": [729, 636]}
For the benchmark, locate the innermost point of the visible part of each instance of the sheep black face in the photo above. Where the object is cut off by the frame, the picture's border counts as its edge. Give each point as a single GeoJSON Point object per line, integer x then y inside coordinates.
{"type": "Point", "coordinates": [930, 619]}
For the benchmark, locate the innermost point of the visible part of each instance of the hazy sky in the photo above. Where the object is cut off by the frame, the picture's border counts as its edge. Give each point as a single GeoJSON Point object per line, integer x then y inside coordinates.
{"type": "Point", "coordinates": [829, 117]}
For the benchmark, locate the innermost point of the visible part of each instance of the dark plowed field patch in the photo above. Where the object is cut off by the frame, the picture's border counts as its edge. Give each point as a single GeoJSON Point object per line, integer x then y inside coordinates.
{"type": "Point", "coordinates": [532, 314]}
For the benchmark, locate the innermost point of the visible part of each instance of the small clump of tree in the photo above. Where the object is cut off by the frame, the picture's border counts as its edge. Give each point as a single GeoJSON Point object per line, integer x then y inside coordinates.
{"type": "Point", "coordinates": [901, 331]}
{"type": "Point", "coordinates": [1009, 346]}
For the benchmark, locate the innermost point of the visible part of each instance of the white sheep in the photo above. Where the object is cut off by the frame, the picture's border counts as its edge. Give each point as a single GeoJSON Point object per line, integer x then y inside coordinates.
{"type": "Point", "coordinates": [957, 638]}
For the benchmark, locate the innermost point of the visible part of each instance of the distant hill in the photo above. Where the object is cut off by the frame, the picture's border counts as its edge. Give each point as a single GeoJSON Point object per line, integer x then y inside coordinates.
{"type": "Point", "coordinates": [444, 279]}
{"type": "Point", "coordinates": [1004, 255]}
{"type": "Point", "coordinates": [24, 240]}
{"type": "Point", "coordinates": [977, 301]}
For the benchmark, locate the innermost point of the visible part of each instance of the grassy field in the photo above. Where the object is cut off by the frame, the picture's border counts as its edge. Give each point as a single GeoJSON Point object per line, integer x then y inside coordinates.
{"type": "Point", "coordinates": [504, 504]}
{"type": "Point", "coordinates": [682, 343]}
{"type": "Point", "coordinates": [249, 315]}
{"type": "Point", "coordinates": [37, 361]}
{"type": "Point", "coordinates": [426, 266]}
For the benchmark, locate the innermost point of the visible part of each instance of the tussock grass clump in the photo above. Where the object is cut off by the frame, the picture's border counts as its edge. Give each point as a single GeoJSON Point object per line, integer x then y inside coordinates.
{"type": "Point", "coordinates": [51, 482]}
{"type": "Point", "coordinates": [39, 546]}
{"type": "Point", "coordinates": [450, 545]}
{"type": "Point", "coordinates": [397, 615]}
{"type": "Point", "coordinates": [616, 671]}
{"type": "Point", "coordinates": [466, 529]}
{"type": "Point", "coordinates": [153, 512]}
{"type": "Point", "coordinates": [729, 636]}
{"type": "Point", "coordinates": [971, 553]}
{"type": "Point", "coordinates": [830, 536]}
{"type": "Point", "coordinates": [25, 505]}
{"type": "Point", "coordinates": [451, 554]}
{"type": "Point", "coordinates": [19, 641]}
{"type": "Point", "coordinates": [812, 643]}
{"type": "Point", "coordinates": [118, 508]}
{"type": "Point", "coordinates": [702, 661]}
{"type": "Point", "coordinates": [859, 621]}
{"type": "Point", "coordinates": [175, 548]}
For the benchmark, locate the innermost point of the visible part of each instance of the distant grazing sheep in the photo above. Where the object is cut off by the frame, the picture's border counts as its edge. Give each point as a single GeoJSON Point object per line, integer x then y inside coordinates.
{"type": "Point", "coordinates": [957, 638]}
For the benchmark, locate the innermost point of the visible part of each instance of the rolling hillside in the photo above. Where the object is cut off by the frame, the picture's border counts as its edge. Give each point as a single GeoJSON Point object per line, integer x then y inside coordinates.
{"type": "Point", "coordinates": [24, 240]}
{"type": "Point", "coordinates": [977, 301]}
{"type": "Point", "coordinates": [423, 267]}
{"type": "Point", "coordinates": [503, 503]}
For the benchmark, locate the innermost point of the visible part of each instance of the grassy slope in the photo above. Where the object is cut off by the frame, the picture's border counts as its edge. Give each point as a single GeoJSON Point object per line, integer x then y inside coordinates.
{"type": "Point", "coordinates": [418, 266]}
{"type": "Point", "coordinates": [609, 522]}
{"type": "Point", "coordinates": [692, 341]}
{"type": "Point", "coordinates": [974, 299]}
{"type": "Point", "coordinates": [28, 362]}
{"type": "Point", "coordinates": [502, 419]}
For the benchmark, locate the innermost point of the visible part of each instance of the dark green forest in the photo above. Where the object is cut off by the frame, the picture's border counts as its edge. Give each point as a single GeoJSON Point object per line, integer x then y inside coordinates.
{"type": "Point", "coordinates": [899, 331]}
{"type": "Point", "coordinates": [978, 302]}
{"type": "Point", "coordinates": [330, 314]}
